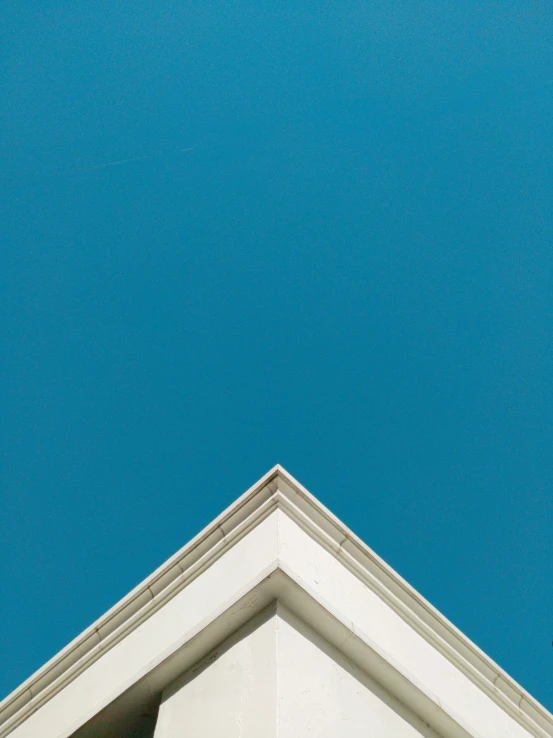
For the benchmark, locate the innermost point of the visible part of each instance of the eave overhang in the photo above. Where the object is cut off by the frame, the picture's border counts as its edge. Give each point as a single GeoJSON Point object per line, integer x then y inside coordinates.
{"type": "Point", "coordinates": [280, 576]}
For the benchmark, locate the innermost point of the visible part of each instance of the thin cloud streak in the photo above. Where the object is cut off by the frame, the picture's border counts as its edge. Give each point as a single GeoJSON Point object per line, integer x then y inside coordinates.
{"type": "Point", "coordinates": [90, 168]}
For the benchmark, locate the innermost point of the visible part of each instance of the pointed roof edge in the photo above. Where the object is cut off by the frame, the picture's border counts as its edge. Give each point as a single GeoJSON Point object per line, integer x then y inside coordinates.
{"type": "Point", "coordinates": [277, 488]}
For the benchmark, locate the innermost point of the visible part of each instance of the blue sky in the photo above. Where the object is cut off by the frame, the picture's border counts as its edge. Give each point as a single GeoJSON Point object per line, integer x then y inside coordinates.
{"type": "Point", "coordinates": [349, 274]}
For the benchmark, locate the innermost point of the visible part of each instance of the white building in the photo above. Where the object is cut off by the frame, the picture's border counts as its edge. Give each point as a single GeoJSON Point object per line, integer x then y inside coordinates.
{"type": "Point", "coordinates": [274, 621]}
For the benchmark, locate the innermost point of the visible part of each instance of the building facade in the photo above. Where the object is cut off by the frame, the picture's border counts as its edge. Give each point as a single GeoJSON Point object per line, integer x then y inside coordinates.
{"type": "Point", "coordinates": [275, 621]}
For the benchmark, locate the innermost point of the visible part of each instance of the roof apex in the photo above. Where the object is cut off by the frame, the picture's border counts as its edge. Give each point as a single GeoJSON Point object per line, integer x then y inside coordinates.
{"type": "Point", "coordinates": [262, 494]}
{"type": "Point", "coordinates": [277, 489]}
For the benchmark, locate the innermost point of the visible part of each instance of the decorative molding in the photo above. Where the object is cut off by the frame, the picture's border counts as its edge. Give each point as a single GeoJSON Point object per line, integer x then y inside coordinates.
{"type": "Point", "coordinates": [277, 489]}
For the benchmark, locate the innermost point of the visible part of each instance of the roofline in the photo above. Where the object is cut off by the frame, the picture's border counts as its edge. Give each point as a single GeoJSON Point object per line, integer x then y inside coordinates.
{"type": "Point", "coordinates": [276, 489]}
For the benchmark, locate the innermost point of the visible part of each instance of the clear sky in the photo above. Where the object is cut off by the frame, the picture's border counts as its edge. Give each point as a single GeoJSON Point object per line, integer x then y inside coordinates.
{"type": "Point", "coordinates": [350, 274]}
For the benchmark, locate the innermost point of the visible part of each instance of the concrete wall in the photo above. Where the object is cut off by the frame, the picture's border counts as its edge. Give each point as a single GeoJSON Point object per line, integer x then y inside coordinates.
{"type": "Point", "coordinates": [278, 677]}
{"type": "Point", "coordinates": [230, 694]}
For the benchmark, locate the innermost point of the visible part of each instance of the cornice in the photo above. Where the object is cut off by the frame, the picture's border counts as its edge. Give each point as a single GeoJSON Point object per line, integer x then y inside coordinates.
{"type": "Point", "coordinates": [368, 567]}
{"type": "Point", "coordinates": [277, 489]}
{"type": "Point", "coordinates": [141, 603]}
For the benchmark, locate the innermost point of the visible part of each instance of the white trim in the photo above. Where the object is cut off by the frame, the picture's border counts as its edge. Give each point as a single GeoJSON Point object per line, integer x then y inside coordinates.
{"type": "Point", "coordinates": [277, 489]}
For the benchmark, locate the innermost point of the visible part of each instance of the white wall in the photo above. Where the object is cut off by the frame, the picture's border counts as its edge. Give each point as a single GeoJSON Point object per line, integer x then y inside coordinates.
{"type": "Point", "coordinates": [322, 694]}
{"type": "Point", "coordinates": [230, 694]}
{"type": "Point", "coordinates": [281, 679]}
